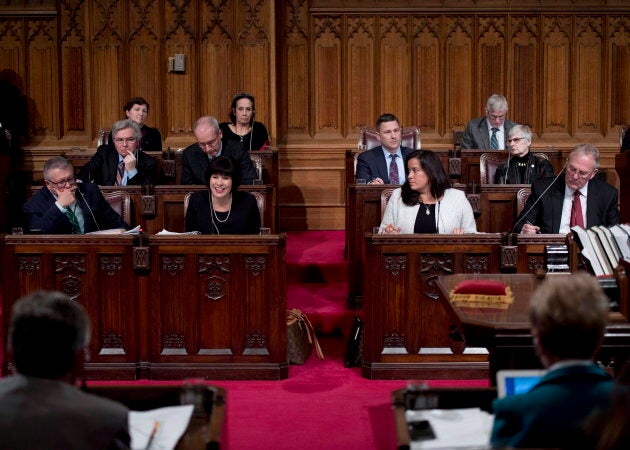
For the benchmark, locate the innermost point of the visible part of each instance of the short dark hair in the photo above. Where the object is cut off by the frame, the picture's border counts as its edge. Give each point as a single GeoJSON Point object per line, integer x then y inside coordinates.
{"type": "Point", "coordinates": [432, 167]}
{"type": "Point", "coordinates": [240, 96]}
{"type": "Point", "coordinates": [47, 330]}
{"type": "Point", "coordinates": [387, 117]}
{"type": "Point", "coordinates": [224, 166]}
{"type": "Point", "coordinates": [135, 101]}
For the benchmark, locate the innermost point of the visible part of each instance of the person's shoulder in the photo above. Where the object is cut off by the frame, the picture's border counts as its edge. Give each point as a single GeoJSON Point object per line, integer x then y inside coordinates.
{"type": "Point", "coordinates": [602, 185]}
{"type": "Point", "coordinates": [104, 149]}
{"type": "Point", "coordinates": [372, 152]}
{"type": "Point", "coordinates": [98, 403]}
{"type": "Point", "coordinates": [454, 193]}
{"type": "Point", "coordinates": [224, 125]}
{"type": "Point", "coordinates": [243, 196]}
{"type": "Point", "coordinates": [259, 126]}
{"type": "Point", "coordinates": [477, 121]}
{"type": "Point", "coordinates": [192, 148]}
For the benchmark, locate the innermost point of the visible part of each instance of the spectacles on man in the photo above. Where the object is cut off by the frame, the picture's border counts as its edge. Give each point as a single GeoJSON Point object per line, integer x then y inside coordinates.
{"type": "Point", "coordinates": [515, 140]}
{"type": "Point", "coordinates": [70, 181]}
{"type": "Point", "coordinates": [581, 173]}
{"type": "Point", "coordinates": [211, 143]}
{"type": "Point", "coordinates": [496, 116]}
{"type": "Point", "coordinates": [129, 140]}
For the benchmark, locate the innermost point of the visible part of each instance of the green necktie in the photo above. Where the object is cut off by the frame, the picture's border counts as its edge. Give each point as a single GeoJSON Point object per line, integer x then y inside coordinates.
{"type": "Point", "coordinates": [76, 228]}
{"type": "Point", "coordinates": [494, 142]}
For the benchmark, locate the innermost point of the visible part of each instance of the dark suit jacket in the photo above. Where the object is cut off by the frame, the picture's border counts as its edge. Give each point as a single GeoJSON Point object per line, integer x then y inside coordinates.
{"type": "Point", "coordinates": [552, 412]}
{"type": "Point", "coordinates": [536, 169]}
{"type": "Point", "coordinates": [244, 217]}
{"type": "Point", "coordinates": [102, 167]}
{"type": "Point", "coordinates": [196, 162]}
{"type": "Point", "coordinates": [476, 135]}
{"type": "Point", "coordinates": [372, 164]}
{"type": "Point", "coordinates": [42, 213]}
{"type": "Point", "coordinates": [625, 144]}
{"type": "Point", "coordinates": [601, 205]}
{"type": "Point", "coordinates": [41, 413]}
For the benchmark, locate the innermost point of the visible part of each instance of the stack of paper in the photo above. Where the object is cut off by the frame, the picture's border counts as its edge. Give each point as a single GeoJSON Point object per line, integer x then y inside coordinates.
{"type": "Point", "coordinates": [453, 428]}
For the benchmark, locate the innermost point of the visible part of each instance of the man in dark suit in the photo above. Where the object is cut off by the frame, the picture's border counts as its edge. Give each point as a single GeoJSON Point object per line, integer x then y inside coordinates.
{"type": "Point", "coordinates": [555, 203]}
{"type": "Point", "coordinates": [197, 157]}
{"type": "Point", "coordinates": [378, 164]}
{"type": "Point", "coordinates": [568, 317]}
{"type": "Point", "coordinates": [41, 407]}
{"type": "Point", "coordinates": [123, 165]}
{"type": "Point", "coordinates": [490, 131]}
{"type": "Point", "coordinates": [64, 207]}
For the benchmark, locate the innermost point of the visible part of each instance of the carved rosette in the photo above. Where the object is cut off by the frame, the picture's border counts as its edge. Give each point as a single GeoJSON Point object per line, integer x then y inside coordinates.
{"type": "Point", "coordinates": [29, 264]}
{"type": "Point", "coordinates": [71, 286]}
{"type": "Point", "coordinates": [70, 263]}
{"type": "Point", "coordinates": [255, 264]}
{"type": "Point", "coordinates": [535, 263]}
{"type": "Point", "coordinates": [394, 340]}
{"type": "Point", "coordinates": [214, 264]}
{"type": "Point", "coordinates": [215, 287]}
{"type": "Point", "coordinates": [476, 264]}
{"type": "Point", "coordinates": [173, 264]}
{"type": "Point", "coordinates": [111, 264]}
{"type": "Point", "coordinates": [112, 340]}
{"type": "Point", "coordinates": [173, 341]}
{"type": "Point", "coordinates": [395, 264]}
{"type": "Point", "coordinates": [255, 339]}
{"type": "Point", "coordinates": [431, 266]}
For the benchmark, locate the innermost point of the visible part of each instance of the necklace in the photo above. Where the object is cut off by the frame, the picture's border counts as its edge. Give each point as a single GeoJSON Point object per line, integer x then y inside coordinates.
{"type": "Point", "coordinates": [428, 211]}
{"type": "Point", "coordinates": [247, 130]}
{"type": "Point", "coordinates": [214, 213]}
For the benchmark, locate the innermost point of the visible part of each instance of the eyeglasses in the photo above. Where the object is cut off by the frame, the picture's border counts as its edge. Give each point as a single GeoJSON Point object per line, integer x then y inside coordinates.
{"type": "Point", "coordinates": [515, 140]}
{"type": "Point", "coordinates": [70, 181]}
{"type": "Point", "coordinates": [129, 140]}
{"type": "Point", "coordinates": [496, 116]}
{"type": "Point", "coordinates": [211, 143]}
{"type": "Point", "coordinates": [582, 174]}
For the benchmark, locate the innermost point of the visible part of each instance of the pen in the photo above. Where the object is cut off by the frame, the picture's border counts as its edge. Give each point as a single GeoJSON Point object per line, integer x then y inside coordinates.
{"type": "Point", "coordinates": [156, 425]}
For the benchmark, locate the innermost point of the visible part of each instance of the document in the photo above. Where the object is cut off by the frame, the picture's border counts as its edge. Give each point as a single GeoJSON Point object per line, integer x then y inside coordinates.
{"type": "Point", "coordinates": [453, 428]}
{"type": "Point", "coordinates": [165, 232]}
{"type": "Point", "coordinates": [158, 428]}
{"type": "Point", "coordinates": [135, 230]}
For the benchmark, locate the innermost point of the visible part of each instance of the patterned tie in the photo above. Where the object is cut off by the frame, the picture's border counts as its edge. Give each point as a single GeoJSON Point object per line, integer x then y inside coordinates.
{"type": "Point", "coordinates": [494, 142]}
{"type": "Point", "coordinates": [393, 170]}
{"type": "Point", "coordinates": [576, 211]}
{"type": "Point", "coordinates": [120, 173]}
{"type": "Point", "coordinates": [76, 228]}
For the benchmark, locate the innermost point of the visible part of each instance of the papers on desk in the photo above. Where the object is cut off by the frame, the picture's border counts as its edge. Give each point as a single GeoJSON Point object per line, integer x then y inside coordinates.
{"type": "Point", "coordinates": [165, 232]}
{"type": "Point", "coordinates": [453, 428]}
{"type": "Point", "coordinates": [172, 423]}
{"type": "Point", "coordinates": [135, 230]}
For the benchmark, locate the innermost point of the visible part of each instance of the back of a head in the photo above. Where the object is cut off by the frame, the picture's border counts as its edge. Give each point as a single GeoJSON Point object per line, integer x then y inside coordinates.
{"type": "Point", "coordinates": [569, 316]}
{"type": "Point", "coordinates": [47, 331]}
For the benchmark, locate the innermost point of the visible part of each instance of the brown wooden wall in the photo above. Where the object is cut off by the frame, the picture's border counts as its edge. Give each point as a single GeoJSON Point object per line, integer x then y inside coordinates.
{"type": "Point", "coordinates": [320, 69]}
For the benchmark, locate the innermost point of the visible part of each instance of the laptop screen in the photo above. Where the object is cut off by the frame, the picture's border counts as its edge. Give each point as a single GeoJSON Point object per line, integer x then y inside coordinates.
{"type": "Point", "coordinates": [512, 382]}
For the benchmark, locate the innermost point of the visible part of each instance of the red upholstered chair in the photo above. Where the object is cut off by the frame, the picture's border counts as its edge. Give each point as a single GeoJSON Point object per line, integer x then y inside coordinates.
{"type": "Point", "coordinates": [385, 196]}
{"type": "Point", "coordinates": [521, 198]}
{"type": "Point", "coordinates": [368, 138]}
{"type": "Point", "coordinates": [120, 202]}
{"type": "Point", "coordinates": [488, 164]}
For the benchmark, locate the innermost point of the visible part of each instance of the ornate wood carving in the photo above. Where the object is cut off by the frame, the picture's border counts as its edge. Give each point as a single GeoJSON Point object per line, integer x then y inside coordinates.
{"type": "Point", "coordinates": [327, 75]}
{"type": "Point", "coordinates": [111, 264]}
{"type": "Point", "coordinates": [431, 266]}
{"type": "Point", "coordinates": [255, 343]}
{"type": "Point", "coordinates": [214, 264]}
{"type": "Point", "coordinates": [394, 342]}
{"type": "Point", "coordinates": [395, 264]}
{"type": "Point", "coordinates": [172, 264]}
{"type": "Point", "coordinates": [30, 264]}
{"type": "Point", "coordinates": [173, 344]}
{"type": "Point", "coordinates": [256, 264]}
{"type": "Point", "coordinates": [215, 287]}
{"type": "Point", "coordinates": [112, 344]}
{"type": "Point", "coordinates": [477, 264]}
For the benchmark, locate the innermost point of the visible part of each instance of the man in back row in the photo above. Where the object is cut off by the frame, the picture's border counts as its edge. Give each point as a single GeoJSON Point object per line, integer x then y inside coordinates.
{"type": "Point", "coordinates": [575, 198]}
{"type": "Point", "coordinates": [491, 130]}
{"type": "Point", "coordinates": [41, 407]}
{"type": "Point", "coordinates": [384, 164]}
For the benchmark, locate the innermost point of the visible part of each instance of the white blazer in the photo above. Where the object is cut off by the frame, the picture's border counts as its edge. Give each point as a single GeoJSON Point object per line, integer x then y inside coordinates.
{"type": "Point", "coordinates": [453, 211]}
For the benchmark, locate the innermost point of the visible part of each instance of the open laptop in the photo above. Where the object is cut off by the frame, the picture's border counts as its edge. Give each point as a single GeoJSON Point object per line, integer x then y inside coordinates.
{"type": "Point", "coordinates": [517, 381]}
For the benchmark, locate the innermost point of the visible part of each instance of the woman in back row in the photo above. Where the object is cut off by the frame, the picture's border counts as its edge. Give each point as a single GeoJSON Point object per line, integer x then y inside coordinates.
{"type": "Point", "coordinates": [243, 133]}
{"type": "Point", "coordinates": [426, 203]}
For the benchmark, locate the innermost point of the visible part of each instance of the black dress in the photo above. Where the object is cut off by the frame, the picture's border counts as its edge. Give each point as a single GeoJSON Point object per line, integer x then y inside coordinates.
{"type": "Point", "coordinates": [257, 136]}
{"type": "Point", "coordinates": [243, 217]}
{"type": "Point", "coordinates": [425, 219]}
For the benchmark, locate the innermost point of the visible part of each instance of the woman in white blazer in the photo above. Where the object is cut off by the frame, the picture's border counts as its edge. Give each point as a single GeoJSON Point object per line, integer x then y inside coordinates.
{"type": "Point", "coordinates": [426, 203]}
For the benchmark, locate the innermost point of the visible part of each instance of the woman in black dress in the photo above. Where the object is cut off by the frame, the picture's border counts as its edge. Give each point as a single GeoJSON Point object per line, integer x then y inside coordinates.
{"type": "Point", "coordinates": [222, 209]}
{"type": "Point", "coordinates": [137, 110]}
{"type": "Point", "coordinates": [243, 132]}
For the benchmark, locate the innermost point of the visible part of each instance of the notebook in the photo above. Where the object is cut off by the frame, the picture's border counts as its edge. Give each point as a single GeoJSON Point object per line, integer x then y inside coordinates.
{"type": "Point", "coordinates": [512, 382]}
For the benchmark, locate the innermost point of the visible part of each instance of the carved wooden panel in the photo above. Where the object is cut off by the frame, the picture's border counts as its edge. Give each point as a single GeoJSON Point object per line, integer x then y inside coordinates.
{"type": "Point", "coordinates": [491, 63]}
{"type": "Point", "coordinates": [556, 42]}
{"type": "Point", "coordinates": [395, 68]}
{"type": "Point", "coordinates": [360, 78]}
{"type": "Point", "coordinates": [524, 58]}
{"type": "Point", "coordinates": [327, 75]}
{"type": "Point", "coordinates": [297, 51]}
{"type": "Point", "coordinates": [589, 88]}
{"type": "Point", "coordinates": [618, 51]}
{"type": "Point", "coordinates": [459, 73]}
{"type": "Point", "coordinates": [427, 70]}
{"type": "Point", "coordinates": [74, 61]}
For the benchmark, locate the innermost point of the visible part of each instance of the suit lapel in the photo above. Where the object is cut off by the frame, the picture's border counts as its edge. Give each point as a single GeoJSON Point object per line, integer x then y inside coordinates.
{"type": "Point", "coordinates": [591, 205]}
{"type": "Point", "coordinates": [483, 133]}
{"type": "Point", "coordinates": [557, 200]}
{"type": "Point", "coordinates": [381, 164]}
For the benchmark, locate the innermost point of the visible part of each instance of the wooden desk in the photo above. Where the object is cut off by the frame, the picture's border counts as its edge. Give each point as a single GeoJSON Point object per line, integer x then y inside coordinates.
{"type": "Point", "coordinates": [169, 205]}
{"type": "Point", "coordinates": [506, 333]}
{"type": "Point", "coordinates": [175, 307]}
{"type": "Point", "coordinates": [208, 433]}
{"type": "Point", "coordinates": [496, 205]}
{"type": "Point", "coordinates": [442, 398]}
{"type": "Point", "coordinates": [408, 333]}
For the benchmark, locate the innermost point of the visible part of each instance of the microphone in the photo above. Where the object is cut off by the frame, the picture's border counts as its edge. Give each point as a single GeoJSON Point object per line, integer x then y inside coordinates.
{"type": "Point", "coordinates": [87, 205]}
{"type": "Point", "coordinates": [524, 215]}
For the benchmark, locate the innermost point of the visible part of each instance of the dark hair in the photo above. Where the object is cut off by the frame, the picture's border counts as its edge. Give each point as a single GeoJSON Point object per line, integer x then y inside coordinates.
{"type": "Point", "coordinates": [47, 330]}
{"type": "Point", "coordinates": [386, 118]}
{"type": "Point", "coordinates": [240, 96]}
{"type": "Point", "coordinates": [224, 166]}
{"type": "Point", "coordinates": [432, 167]}
{"type": "Point", "coordinates": [135, 101]}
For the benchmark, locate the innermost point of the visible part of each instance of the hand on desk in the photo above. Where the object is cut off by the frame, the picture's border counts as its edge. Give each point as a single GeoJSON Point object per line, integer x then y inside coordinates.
{"type": "Point", "coordinates": [391, 229]}
{"type": "Point", "coordinates": [376, 180]}
{"type": "Point", "coordinates": [528, 228]}
{"type": "Point", "coordinates": [457, 231]}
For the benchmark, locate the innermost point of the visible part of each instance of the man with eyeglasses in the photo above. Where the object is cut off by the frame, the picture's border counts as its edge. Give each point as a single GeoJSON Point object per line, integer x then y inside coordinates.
{"type": "Point", "coordinates": [523, 167]}
{"type": "Point", "coordinates": [124, 164]}
{"type": "Point", "coordinates": [574, 198]}
{"type": "Point", "coordinates": [489, 132]}
{"type": "Point", "coordinates": [384, 164]}
{"type": "Point", "coordinates": [64, 206]}
{"type": "Point", "coordinates": [197, 156]}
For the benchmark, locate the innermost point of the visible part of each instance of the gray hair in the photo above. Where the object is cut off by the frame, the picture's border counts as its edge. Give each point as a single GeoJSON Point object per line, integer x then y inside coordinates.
{"type": "Point", "coordinates": [207, 121]}
{"type": "Point", "coordinates": [123, 125]}
{"type": "Point", "coordinates": [523, 129]}
{"type": "Point", "coordinates": [496, 102]}
{"type": "Point", "coordinates": [586, 149]}
{"type": "Point", "coordinates": [56, 162]}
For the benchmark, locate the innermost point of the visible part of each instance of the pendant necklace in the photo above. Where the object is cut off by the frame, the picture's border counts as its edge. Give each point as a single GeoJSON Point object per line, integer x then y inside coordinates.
{"type": "Point", "coordinates": [428, 211]}
{"type": "Point", "coordinates": [215, 213]}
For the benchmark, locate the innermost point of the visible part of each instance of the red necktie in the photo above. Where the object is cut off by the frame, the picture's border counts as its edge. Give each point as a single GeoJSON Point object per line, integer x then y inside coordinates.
{"type": "Point", "coordinates": [393, 170]}
{"type": "Point", "coordinates": [576, 211]}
